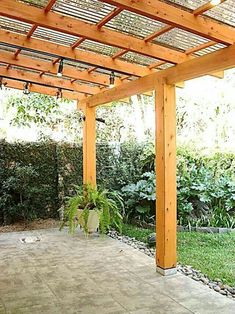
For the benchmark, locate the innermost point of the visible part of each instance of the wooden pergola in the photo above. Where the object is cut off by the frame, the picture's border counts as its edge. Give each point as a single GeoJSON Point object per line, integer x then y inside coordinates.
{"type": "Point", "coordinates": [79, 47]}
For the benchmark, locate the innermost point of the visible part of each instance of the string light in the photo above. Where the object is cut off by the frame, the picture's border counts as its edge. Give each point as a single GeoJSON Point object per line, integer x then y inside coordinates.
{"type": "Point", "coordinates": [59, 93]}
{"type": "Point", "coordinates": [111, 80]}
{"type": "Point", "coordinates": [60, 68]}
{"type": "Point", "coordinates": [26, 90]}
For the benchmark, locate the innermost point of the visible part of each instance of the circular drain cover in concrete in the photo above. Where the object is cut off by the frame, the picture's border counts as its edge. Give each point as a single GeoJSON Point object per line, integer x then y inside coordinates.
{"type": "Point", "coordinates": [32, 239]}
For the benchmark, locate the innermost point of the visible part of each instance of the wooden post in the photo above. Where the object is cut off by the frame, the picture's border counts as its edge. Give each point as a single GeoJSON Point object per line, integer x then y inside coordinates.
{"type": "Point", "coordinates": [166, 178]}
{"type": "Point", "coordinates": [89, 146]}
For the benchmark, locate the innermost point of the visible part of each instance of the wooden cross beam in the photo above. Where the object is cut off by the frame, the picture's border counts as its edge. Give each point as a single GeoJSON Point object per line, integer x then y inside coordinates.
{"type": "Point", "coordinates": [216, 61]}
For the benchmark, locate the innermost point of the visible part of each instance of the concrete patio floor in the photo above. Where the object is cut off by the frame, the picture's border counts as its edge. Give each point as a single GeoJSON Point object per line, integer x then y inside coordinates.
{"type": "Point", "coordinates": [64, 274]}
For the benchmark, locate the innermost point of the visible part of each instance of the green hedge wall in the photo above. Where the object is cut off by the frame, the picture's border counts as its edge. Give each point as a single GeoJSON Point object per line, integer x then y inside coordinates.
{"type": "Point", "coordinates": [36, 177]}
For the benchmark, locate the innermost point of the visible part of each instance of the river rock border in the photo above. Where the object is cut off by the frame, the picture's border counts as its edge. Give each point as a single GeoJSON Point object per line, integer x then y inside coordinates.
{"type": "Point", "coordinates": [196, 275]}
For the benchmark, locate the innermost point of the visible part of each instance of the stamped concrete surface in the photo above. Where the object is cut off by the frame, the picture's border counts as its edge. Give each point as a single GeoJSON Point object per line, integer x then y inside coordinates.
{"type": "Point", "coordinates": [65, 274]}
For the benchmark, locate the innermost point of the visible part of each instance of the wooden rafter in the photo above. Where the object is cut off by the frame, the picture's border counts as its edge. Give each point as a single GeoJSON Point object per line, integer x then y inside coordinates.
{"type": "Point", "coordinates": [35, 88]}
{"type": "Point", "coordinates": [99, 25]}
{"type": "Point", "coordinates": [34, 27]}
{"type": "Point", "coordinates": [77, 55]}
{"type": "Point", "coordinates": [49, 5]}
{"type": "Point", "coordinates": [200, 47]}
{"type": "Point", "coordinates": [46, 80]}
{"type": "Point", "coordinates": [47, 67]}
{"type": "Point", "coordinates": [146, 39]}
{"type": "Point", "coordinates": [159, 32]}
{"type": "Point", "coordinates": [108, 17]}
{"type": "Point", "coordinates": [75, 27]}
{"type": "Point", "coordinates": [171, 15]}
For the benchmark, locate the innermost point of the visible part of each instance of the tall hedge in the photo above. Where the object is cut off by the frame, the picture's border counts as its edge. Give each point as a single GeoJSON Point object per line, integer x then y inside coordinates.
{"type": "Point", "coordinates": [35, 178]}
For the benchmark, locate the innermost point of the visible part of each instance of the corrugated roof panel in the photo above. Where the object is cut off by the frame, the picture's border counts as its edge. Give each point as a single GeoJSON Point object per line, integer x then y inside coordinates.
{"type": "Point", "coordinates": [134, 24]}
{"type": "Point", "coordinates": [138, 58]}
{"type": "Point", "coordinates": [98, 47]}
{"type": "Point", "coordinates": [54, 36]}
{"type": "Point", "coordinates": [88, 10]}
{"type": "Point", "coordinates": [180, 39]}
{"type": "Point", "coordinates": [210, 49]}
{"type": "Point", "coordinates": [14, 25]}
{"type": "Point", "coordinates": [225, 12]}
{"type": "Point", "coordinates": [189, 4]}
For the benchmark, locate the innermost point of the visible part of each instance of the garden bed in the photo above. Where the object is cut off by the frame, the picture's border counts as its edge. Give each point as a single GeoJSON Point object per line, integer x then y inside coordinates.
{"type": "Point", "coordinates": [31, 225]}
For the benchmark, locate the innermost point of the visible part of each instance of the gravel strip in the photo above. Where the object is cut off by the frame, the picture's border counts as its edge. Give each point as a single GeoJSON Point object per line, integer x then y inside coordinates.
{"type": "Point", "coordinates": [196, 275]}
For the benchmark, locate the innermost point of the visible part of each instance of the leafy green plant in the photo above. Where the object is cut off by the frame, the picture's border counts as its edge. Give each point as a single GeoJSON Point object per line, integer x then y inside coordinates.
{"type": "Point", "coordinates": [106, 204]}
{"type": "Point", "coordinates": [140, 198]}
{"type": "Point", "coordinates": [206, 189]}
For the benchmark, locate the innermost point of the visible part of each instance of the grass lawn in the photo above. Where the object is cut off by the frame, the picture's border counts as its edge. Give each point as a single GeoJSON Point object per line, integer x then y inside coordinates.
{"type": "Point", "coordinates": [212, 254]}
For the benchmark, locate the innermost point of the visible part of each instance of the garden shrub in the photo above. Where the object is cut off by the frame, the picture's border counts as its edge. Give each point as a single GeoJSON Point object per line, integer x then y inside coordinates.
{"type": "Point", "coordinates": [205, 188]}
{"type": "Point", "coordinates": [35, 178]}
{"type": "Point", "coordinates": [28, 181]}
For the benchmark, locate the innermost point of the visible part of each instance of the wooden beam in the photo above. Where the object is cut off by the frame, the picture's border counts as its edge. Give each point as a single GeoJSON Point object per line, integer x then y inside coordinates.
{"type": "Point", "coordinates": [200, 47]}
{"type": "Point", "coordinates": [183, 19]}
{"type": "Point", "coordinates": [22, 12]}
{"type": "Point", "coordinates": [205, 7]}
{"type": "Point", "coordinates": [34, 88]}
{"type": "Point", "coordinates": [216, 61]}
{"type": "Point", "coordinates": [46, 80]}
{"type": "Point", "coordinates": [220, 60]}
{"type": "Point", "coordinates": [31, 31]}
{"type": "Point", "coordinates": [156, 64]}
{"type": "Point", "coordinates": [160, 32]}
{"type": "Point", "coordinates": [48, 67]}
{"type": "Point", "coordinates": [78, 42]}
{"type": "Point", "coordinates": [49, 5]}
{"type": "Point", "coordinates": [165, 108]}
{"type": "Point", "coordinates": [108, 17]}
{"type": "Point", "coordinates": [89, 146]}
{"type": "Point", "coordinates": [218, 74]}
{"type": "Point", "coordinates": [73, 54]}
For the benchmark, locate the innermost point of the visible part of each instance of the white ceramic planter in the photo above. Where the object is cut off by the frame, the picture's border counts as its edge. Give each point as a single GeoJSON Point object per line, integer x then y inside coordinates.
{"type": "Point", "coordinates": [93, 220]}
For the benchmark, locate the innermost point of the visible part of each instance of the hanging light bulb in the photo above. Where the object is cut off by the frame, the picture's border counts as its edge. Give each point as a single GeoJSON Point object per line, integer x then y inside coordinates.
{"type": "Point", "coordinates": [111, 80]}
{"type": "Point", "coordinates": [215, 2]}
{"type": "Point", "coordinates": [60, 68]}
{"type": "Point", "coordinates": [59, 93]}
{"type": "Point", "coordinates": [26, 90]}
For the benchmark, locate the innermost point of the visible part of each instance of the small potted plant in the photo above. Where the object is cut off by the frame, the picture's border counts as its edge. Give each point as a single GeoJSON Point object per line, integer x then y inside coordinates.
{"type": "Point", "coordinates": [92, 209]}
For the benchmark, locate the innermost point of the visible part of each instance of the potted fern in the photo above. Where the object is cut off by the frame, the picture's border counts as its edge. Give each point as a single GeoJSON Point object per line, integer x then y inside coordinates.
{"type": "Point", "coordinates": [92, 209]}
